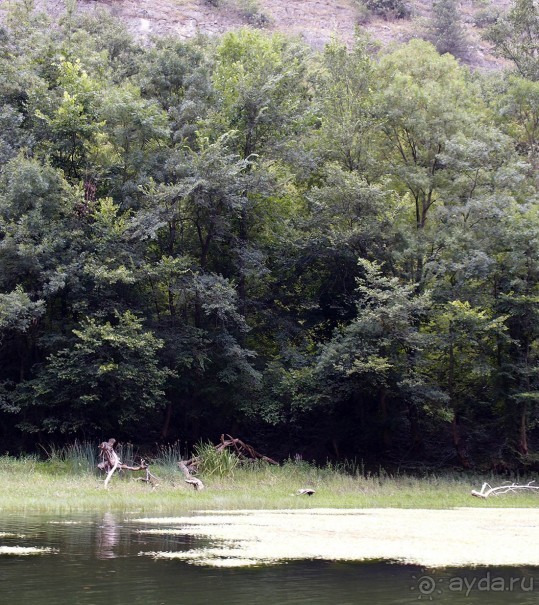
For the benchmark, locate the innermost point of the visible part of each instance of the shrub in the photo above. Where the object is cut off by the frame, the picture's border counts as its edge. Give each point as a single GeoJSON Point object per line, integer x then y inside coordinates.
{"type": "Point", "coordinates": [447, 32]}
{"type": "Point", "coordinates": [212, 462]}
{"type": "Point", "coordinates": [390, 9]}
{"type": "Point", "coordinates": [486, 17]}
{"type": "Point", "coordinates": [250, 10]}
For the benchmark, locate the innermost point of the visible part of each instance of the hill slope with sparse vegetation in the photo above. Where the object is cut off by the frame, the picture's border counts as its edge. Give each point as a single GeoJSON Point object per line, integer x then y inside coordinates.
{"type": "Point", "coordinates": [314, 21]}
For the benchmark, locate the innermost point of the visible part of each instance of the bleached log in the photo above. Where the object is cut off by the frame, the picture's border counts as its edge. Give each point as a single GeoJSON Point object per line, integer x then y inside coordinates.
{"type": "Point", "coordinates": [110, 463]}
{"type": "Point", "coordinates": [487, 490]}
{"type": "Point", "coordinates": [196, 483]}
{"type": "Point", "coordinates": [109, 459]}
{"type": "Point", "coordinates": [308, 491]}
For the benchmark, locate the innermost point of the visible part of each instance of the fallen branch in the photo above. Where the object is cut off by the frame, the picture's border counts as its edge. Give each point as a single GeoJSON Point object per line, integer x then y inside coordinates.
{"type": "Point", "coordinates": [110, 462]}
{"type": "Point", "coordinates": [487, 490]}
{"type": "Point", "coordinates": [308, 491]}
{"type": "Point", "coordinates": [196, 483]}
{"type": "Point", "coordinates": [242, 450]}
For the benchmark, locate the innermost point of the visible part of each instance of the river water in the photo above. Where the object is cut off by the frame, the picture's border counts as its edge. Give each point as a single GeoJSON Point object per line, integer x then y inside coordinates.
{"type": "Point", "coordinates": [100, 560]}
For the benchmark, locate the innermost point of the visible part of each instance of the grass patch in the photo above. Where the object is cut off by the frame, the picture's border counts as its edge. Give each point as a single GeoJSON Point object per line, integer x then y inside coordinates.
{"type": "Point", "coordinates": [61, 485]}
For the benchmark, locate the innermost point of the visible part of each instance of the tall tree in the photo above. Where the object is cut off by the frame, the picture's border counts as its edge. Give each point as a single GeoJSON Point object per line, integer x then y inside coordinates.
{"type": "Point", "coordinates": [516, 37]}
{"type": "Point", "coordinates": [446, 30]}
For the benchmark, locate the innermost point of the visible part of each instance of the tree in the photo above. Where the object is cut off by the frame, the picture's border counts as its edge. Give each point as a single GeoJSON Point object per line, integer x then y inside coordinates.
{"type": "Point", "coordinates": [517, 105]}
{"type": "Point", "coordinates": [464, 352]}
{"type": "Point", "coordinates": [516, 37]}
{"type": "Point", "coordinates": [446, 30]}
{"type": "Point", "coordinates": [109, 379]}
{"type": "Point", "coordinates": [516, 296]}
{"type": "Point", "coordinates": [346, 83]}
{"type": "Point", "coordinates": [372, 365]}
{"type": "Point", "coordinates": [423, 102]}
{"type": "Point", "coordinates": [261, 84]}
{"type": "Point", "coordinates": [71, 124]}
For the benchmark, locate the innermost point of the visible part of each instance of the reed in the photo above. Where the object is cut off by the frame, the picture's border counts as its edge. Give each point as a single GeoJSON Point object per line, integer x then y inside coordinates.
{"type": "Point", "coordinates": [66, 481]}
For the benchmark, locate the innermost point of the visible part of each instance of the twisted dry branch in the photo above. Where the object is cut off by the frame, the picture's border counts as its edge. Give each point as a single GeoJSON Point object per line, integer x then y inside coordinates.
{"type": "Point", "coordinates": [487, 490]}
{"type": "Point", "coordinates": [243, 451]}
{"type": "Point", "coordinates": [110, 462]}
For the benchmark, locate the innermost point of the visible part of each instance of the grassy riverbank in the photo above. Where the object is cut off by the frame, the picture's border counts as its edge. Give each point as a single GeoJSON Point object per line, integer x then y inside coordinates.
{"type": "Point", "coordinates": [65, 485]}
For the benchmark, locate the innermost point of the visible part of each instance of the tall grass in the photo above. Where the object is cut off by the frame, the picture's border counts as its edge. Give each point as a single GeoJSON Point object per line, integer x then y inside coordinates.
{"type": "Point", "coordinates": [168, 455]}
{"type": "Point", "coordinates": [77, 458]}
{"type": "Point", "coordinates": [215, 463]}
{"type": "Point", "coordinates": [67, 481]}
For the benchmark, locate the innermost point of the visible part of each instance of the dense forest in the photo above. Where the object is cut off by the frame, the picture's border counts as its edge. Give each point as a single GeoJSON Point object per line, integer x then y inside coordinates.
{"type": "Point", "coordinates": [329, 254]}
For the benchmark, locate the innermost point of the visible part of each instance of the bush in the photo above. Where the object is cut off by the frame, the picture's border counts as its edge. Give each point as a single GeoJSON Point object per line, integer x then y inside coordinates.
{"type": "Point", "coordinates": [390, 9]}
{"type": "Point", "coordinates": [486, 17]}
{"type": "Point", "coordinates": [212, 462]}
{"type": "Point", "coordinates": [447, 32]}
{"type": "Point", "coordinates": [250, 10]}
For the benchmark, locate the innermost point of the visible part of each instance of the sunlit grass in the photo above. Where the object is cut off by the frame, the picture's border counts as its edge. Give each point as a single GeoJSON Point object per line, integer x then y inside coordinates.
{"type": "Point", "coordinates": [57, 485]}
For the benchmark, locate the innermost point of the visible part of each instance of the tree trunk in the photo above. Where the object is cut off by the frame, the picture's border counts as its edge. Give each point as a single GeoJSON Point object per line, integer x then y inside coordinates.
{"type": "Point", "coordinates": [384, 417]}
{"type": "Point", "coordinates": [458, 443]}
{"type": "Point", "coordinates": [522, 444]}
{"type": "Point", "coordinates": [417, 445]}
{"type": "Point", "coordinates": [166, 422]}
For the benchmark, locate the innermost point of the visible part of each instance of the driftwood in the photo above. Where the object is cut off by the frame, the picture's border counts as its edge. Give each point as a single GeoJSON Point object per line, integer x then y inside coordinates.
{"type": "Point", "coordinates": [242, 450]}
{"type": "Point", "coordinates": [196, 483]}
{"type": "Point", "coordinates": [110, 462]}
{"type": "Point", "coordinates": [305, 492]}
{"type": "Point", "coordinates": [487, 490]}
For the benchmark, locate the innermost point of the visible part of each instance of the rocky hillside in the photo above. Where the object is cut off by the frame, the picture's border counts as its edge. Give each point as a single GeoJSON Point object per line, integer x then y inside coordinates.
{"type": "Point", "coordinates": [315, 21]}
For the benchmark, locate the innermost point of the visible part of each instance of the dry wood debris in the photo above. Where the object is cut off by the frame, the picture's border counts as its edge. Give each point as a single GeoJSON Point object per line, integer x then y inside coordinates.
{"type": "Point", "coordinates": [110, 462]}
{"type": "Point", "coordinates": [487, 490]}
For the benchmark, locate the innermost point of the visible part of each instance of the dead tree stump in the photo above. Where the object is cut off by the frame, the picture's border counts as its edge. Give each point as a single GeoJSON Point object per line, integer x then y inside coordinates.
{"type": "Point", "coordinates": [196, 483]}
{"type": "Point", "coordinates": [110, 462]}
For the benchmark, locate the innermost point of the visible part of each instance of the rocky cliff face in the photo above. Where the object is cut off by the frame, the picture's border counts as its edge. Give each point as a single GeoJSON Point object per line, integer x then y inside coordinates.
{"type": "Point", "coordinates": [315, 21]}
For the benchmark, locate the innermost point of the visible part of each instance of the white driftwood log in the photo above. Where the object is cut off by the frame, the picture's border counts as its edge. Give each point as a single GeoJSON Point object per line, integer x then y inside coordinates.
{"type": "Point", "coordinates": [487, 490]}
{"type": "Point", "coordinates": [110, 462]}
{"type": "Point", "coordinates": [196, 483]}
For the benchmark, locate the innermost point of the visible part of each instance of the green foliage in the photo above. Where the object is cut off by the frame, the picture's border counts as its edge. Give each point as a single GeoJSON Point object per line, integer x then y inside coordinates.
{"type": "Point", "coordinates": [348, 124]}
{"type": "Point", "coordinates": [335, 252]}
{"type": "Point", "coordinates": [515, 36]}
{"type": "Point", "coordinates": [17, 311]}
{"type": "Point", "coordinates": [260, 81]}
{"type": "Point", "coordinates": [108, 379]}
{"type": "Point", "coordinates": [215, 463]}
{"type": "Point", "coordinates": [390, 9]}
{"type": "Point", "coordinates": [447, 31]}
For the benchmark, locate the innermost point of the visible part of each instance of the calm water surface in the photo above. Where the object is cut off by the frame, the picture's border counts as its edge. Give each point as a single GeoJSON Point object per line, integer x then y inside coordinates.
{"type": "Point", "coordinates": [98, 563]}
